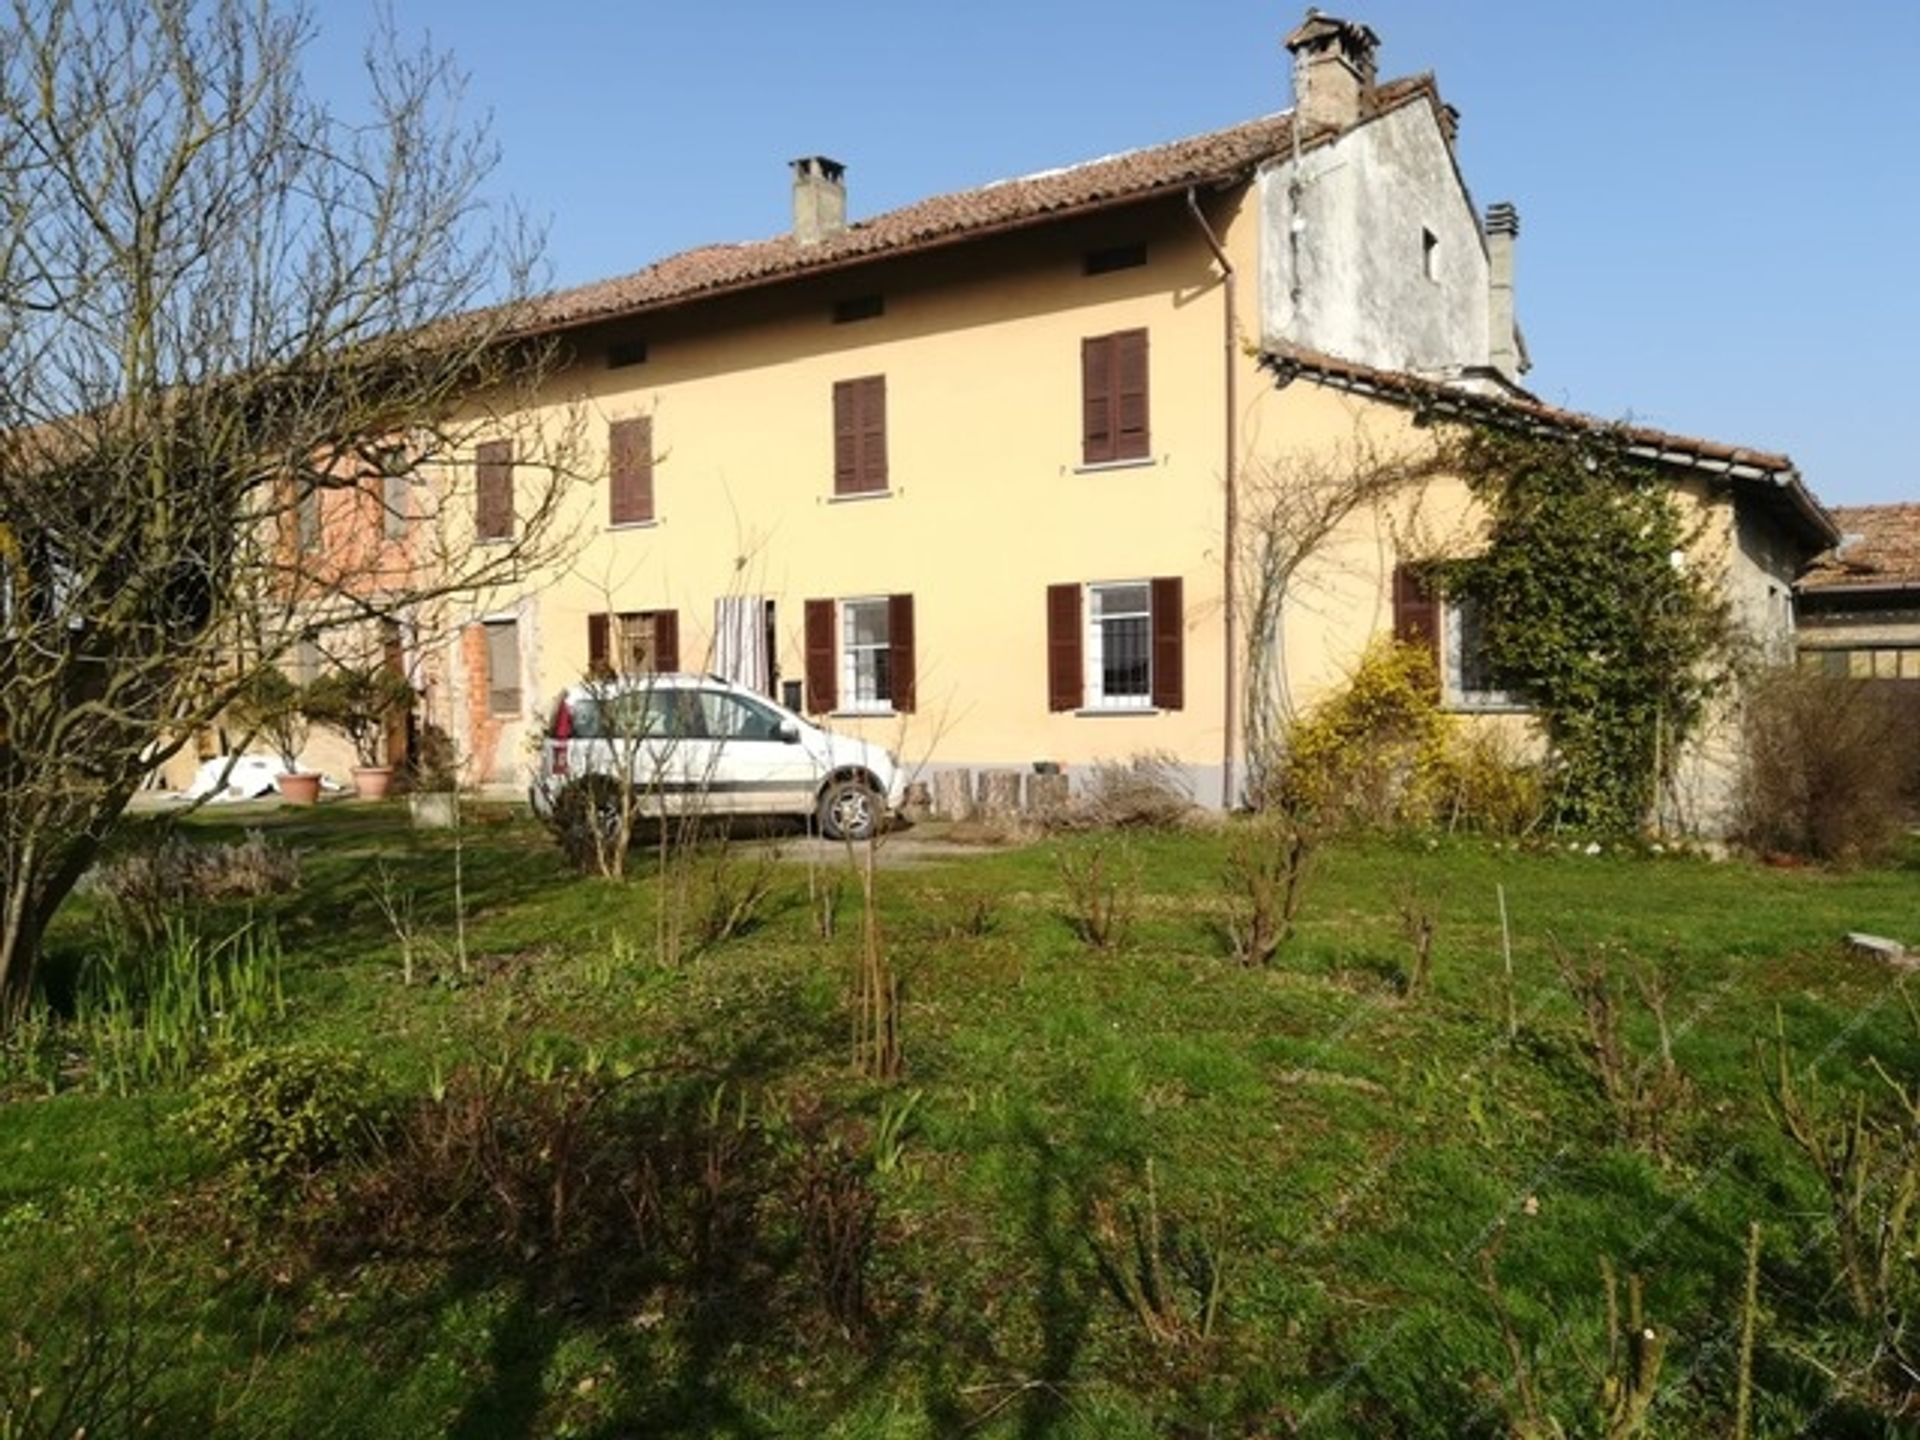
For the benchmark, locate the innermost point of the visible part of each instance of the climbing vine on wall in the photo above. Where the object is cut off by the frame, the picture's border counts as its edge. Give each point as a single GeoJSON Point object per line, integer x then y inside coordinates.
{"type": "Point", "coordinates": [1596, 607]}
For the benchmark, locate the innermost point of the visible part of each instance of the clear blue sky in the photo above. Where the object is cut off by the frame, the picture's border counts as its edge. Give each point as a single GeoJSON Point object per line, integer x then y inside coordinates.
{"type": "Point", "coordinates": [1719, 199]}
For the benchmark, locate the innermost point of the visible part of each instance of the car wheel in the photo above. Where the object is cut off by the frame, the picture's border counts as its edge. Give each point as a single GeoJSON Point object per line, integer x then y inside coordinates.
{"type": "Point", "coordinates": [849, 810]}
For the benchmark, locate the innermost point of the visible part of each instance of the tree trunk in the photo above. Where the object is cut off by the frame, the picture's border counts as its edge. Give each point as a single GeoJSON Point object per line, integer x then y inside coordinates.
{"type": "Point", "coordinates": [35, 892]}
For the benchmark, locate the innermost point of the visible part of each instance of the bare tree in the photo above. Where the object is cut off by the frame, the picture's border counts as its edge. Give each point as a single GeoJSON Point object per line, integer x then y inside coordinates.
{"type": "Point", "coordinates": [250, 346]}
{"type": "Point", "coordinates": [1293, 508]}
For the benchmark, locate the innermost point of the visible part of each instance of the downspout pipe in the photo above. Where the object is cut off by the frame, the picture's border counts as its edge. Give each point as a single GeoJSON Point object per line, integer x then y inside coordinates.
{"type": "Point", "coordinates": [1230, 520]}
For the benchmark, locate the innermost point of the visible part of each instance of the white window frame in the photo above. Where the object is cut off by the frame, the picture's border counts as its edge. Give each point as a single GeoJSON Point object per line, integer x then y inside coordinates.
{"type": "Point", "coordinates": [852, 653]}
{"type": "Point", "coordinates": [1094, 691]}
{"type": "Point", "coordinates": [1453, 665]}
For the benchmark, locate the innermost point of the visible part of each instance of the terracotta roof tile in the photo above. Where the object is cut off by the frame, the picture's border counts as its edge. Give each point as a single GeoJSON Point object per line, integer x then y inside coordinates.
{"type": "Point", "coordinates": [1879, 547]}
{"type": "Point", "coordinates": [1222, 155]}
{"type": "Point", "coordinates": [1738, 461]}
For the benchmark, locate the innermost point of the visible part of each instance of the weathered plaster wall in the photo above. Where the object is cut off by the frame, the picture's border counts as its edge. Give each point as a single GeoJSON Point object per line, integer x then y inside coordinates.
{"type": "Point", "coordinates": [1342, 268]}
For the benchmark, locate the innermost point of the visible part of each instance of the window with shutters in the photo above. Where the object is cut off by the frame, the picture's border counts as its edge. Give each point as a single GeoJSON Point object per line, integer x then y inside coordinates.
{"type": "Point", "coordinates": [1113, 399]}
{"type": "Point", "coordinates": [1120, 646]}
{"type": "Point", "coordinates": [860, 436]}
{"type": "Point", "coordinates": [1468, 678]}
{"type": "Point", "coordinates": [493, 491]}
{"type": "Point", "coordinates": [630, 471]}
{"type": "Point", "coordinates": [633, 642]}
{"type": "Point", "coordinates": [866, 654]}
{"type": "Point", "coordinates": [860, 655]}
{"type": "Point", "coordinates": [503, 667]}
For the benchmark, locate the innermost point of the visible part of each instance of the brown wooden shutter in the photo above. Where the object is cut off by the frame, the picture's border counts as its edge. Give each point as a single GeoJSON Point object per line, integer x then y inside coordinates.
{"type": "Point", "coordinates": [900, 651]}
{"type": "Point", "coordinates": [666, 640]}
{"type": "Point", "coordinates": [823, 690]}
{"type": "Point", "coordinates": [1096, 399]}
{"type": "Point", "coordinates": [846, 437]}
{"type": "Point", "coordinates": [1066, 675]}
{"type": "Point", "coordinates": [493, 490]}
{"type": "Point", "coordinates": [599, 646]}
{"type": "Point", "coordinates": [1416, 611]}
{"type": "Point", "coordinates": [860, 435]}
{"type": "Point", "coordinates": [1169, 644]}
{"type": "Point", "coordinates": [1130, 438]}
{"type": "Point", "coordinates": [630, 471]}
{"type": "Point", "coordinates": [873, 433]}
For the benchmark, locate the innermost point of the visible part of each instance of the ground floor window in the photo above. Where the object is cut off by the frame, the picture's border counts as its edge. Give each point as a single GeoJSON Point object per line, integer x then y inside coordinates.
{"type": "Point", "coordinates": [503, 667]}
{"type": "Point", "coordinates": [1120, 644]}
{"type": "Point", "coordinates": [866, 659]}
{"type": "Point", "coordinates": [1470, 681]}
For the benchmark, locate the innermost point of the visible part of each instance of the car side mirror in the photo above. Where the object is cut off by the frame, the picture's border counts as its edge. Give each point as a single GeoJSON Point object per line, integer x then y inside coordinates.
{"type": "Point", "coordinates": [789, 732]}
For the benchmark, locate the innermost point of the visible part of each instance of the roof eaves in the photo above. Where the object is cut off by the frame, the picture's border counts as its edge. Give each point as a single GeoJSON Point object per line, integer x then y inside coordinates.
{"type": "Point", "coordinates": [1677, 451]}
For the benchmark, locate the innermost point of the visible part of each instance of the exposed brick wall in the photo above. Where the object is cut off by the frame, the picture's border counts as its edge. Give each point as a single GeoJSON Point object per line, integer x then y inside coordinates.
{"type": "Point", "coordinates": [483, 728]}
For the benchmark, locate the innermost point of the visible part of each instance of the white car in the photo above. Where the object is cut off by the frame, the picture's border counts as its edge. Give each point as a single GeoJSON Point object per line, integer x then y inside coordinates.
{"type": "Point", "coordinates": [701, 744]}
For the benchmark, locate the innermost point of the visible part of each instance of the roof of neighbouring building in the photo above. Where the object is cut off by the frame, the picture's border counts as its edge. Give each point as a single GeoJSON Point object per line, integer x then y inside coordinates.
{"type": "Point", "coordinates": [1201, 160]}
{"type": "Point", "coordinates": [1878, 549]}
{"type": "Point", "coordinates": [1510, 405]}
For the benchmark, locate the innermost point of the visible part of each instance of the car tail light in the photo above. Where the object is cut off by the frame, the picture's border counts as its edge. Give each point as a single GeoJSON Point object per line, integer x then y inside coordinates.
{"type": "Point", "coordinates": [561, 735]}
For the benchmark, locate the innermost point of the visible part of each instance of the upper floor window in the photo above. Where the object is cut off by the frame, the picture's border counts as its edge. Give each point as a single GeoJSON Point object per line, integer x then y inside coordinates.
{"type": "Point", "coordinates": [1113, 398]}
{"type": "Point", "coordinates": [630, 471]}
{"type": "Point", "coordinates": [1114, 257]}
{"type": "Point", "coordinates": [860, 436]}
{"type": "Point", "coordinates": [493, 490]}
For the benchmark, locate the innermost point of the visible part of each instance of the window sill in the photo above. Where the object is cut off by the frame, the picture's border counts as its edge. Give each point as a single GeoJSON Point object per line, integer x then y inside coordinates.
{"type": "Point", "coordinates": [1143, 462]}
{"type": "Point", "coordinates": [855, 497]}
{"type": "Point", "coordinates": [1462, 705]}
{"type": "Point", "coordinates": [885, 714]}
{"type": "Point", "coordinates": [634, 525]}
{"type": "Point", "coordinates": [1093, 711]}
{"type": "Point", "coordinates": [493, 539]}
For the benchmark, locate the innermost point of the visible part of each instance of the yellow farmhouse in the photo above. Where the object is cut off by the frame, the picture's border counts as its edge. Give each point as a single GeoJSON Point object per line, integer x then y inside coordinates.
{"type": "Point", "coordinates": [971, 477]}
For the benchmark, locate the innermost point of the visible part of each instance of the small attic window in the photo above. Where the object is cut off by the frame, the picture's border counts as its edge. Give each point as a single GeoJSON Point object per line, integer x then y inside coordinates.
{"type": "Point", "coordinates": [1115, 257]}
{"type": "Point", "coordinates": [626, 352]}
{"type": "Point", "coordinates": [859, 307]}
{"type": "Point", "coordinates": [1429, 254]}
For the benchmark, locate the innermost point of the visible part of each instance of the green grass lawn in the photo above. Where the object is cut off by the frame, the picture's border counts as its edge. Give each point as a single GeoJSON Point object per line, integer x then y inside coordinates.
{"type": "Point", "coordinates": [1340, 1154]}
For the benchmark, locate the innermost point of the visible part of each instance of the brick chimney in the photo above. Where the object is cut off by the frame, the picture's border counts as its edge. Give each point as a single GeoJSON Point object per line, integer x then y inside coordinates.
{"type": "Point", "coordinates": [819, 199]}
{"type": "Point", "coordinates": [1503, 335]}
{"type": "Point", "coordinates": [1333, 69]}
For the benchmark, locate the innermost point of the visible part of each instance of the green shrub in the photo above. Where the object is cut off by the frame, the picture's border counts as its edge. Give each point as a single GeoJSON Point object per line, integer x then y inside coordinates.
{"type": "Point", "coordinates": [278, 1117]}
{"type": "Point", "coordinates": [1365, 754]}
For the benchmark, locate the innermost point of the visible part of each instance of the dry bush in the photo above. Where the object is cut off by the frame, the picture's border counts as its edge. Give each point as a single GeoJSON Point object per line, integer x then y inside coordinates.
{"type": "Point", "coordinates": [1146, 791]}
{"type": "Point", "coordinates": [1269, 861]}
{"type": "Point", "coordinates": [1479, 780]}
{"type": "Point", "coordinates": [1645, 1093]}
{"type": "Point", "coordinates": [1102, 881]}
{"type": "Point", "coordinates": [734, 891]}
{"type": "Point", "coordinates": [1170, 1279]}
{"type": "Point", "coordinates": [1831, 768]}
{"type": "Point", "coordinates": [1868, 1161]}
{"type": "Point", "coordinates": [146, 886]}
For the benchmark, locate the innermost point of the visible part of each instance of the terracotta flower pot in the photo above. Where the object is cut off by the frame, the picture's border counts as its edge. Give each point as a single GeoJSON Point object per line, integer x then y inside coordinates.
{"type": "Point", "coordinates": [372, 782]}
{"type": "Point", "coordinates": [299, 789]}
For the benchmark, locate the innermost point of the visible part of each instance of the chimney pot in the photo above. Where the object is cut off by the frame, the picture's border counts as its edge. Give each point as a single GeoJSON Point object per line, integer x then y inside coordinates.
{"type": "Point", "coordinates": [1333, 70]}
{"type": "Point", "coordinates": [819, 199]}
